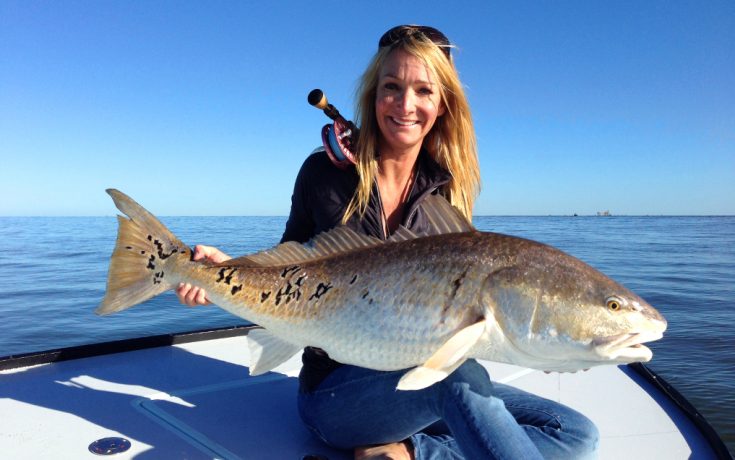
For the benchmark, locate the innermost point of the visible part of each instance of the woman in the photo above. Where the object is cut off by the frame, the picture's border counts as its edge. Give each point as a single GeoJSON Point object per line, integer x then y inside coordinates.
{"type": "Point", "coordinates": [416, 138]}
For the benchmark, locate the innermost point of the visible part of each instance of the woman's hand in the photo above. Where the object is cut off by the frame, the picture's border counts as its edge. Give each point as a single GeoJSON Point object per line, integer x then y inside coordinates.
{"type": "Point", "coordinates": [194, 295]}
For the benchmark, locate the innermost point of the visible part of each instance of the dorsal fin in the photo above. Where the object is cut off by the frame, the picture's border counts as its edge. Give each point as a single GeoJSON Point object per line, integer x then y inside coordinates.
{"type": "Point", "coordinates": [444, 218]}
{"type": "Point", "coordinates": [404, 234]}
{"type": "Point", "coordinates": [334, 241]}
{"type": "Point", "coordinates": [341, 239]}
{"type": "Point", "coordinates": [286, 253]}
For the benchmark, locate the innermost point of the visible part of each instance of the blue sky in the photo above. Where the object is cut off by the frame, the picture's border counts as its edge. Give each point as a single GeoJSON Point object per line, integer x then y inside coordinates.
{"type": "Point", "coordinates": [199, 108]}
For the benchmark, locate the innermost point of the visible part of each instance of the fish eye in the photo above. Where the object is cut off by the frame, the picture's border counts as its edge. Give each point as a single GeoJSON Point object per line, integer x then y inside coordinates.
{"type": "Point", "coordinates": [614, 304]}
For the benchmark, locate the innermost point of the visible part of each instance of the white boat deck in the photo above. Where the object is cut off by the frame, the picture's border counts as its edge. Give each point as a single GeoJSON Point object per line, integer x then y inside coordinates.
{"type": "Point", "coordinates": [196, 401]}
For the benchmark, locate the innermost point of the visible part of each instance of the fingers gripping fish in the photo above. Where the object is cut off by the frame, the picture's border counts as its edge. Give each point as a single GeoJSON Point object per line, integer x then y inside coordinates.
{"type": "Point", "coordinates": [427, 302]}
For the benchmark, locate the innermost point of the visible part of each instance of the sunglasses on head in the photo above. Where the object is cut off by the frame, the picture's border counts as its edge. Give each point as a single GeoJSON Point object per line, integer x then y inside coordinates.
{"type": "Point", "coordinates": [400, 32]}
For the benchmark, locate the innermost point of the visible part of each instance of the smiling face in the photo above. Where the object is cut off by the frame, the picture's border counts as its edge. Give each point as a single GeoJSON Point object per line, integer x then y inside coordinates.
{"type": "Point", "coordinates": [407, 103]}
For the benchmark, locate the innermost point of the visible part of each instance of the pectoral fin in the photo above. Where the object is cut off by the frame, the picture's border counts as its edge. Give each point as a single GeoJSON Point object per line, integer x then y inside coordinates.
{"type": "Point", "coordinates": [447, 358]}
{"type": "Point", "coordinates": [268, 351]}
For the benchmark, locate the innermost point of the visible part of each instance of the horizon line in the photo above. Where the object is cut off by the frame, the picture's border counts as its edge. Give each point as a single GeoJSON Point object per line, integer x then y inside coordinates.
{"type": "Point", "coordinates": [286, 216]}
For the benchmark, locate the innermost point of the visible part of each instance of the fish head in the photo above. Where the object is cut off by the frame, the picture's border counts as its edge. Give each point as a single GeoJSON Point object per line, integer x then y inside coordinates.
{"type": "Point", "coordinates": [557, 313]}
{"type": "Point", "coordinates": [626, 324]}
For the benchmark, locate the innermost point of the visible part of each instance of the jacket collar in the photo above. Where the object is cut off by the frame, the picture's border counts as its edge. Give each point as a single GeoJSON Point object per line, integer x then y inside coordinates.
{"type": "Point", "coordinates": [429, 173]}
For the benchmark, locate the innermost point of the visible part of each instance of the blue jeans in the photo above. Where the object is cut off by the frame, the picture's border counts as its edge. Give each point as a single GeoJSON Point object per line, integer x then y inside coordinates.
{"type": "Point", "coordinates": [465, 416]}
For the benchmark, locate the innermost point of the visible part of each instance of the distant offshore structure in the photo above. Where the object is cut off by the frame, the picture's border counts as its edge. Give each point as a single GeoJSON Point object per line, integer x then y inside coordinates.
{"type": "Point", "coordinates": [603, 213]}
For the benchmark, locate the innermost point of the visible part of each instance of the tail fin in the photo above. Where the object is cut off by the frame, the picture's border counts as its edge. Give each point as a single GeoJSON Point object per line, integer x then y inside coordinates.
{"type": "Point", "coordinates": [138, 264]}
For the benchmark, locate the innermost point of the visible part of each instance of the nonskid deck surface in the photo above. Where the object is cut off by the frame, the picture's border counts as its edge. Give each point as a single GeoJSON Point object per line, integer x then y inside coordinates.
{"type": "Point", "coordinates": [196, 400]}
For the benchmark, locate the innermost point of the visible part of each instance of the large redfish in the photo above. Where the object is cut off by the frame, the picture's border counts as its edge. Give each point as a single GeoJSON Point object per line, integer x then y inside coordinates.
{"type": "Point", "coordinates": [426, 302]}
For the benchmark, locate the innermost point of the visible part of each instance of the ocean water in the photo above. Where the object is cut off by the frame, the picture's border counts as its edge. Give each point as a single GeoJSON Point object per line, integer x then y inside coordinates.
{"type": "Point", "coordinates": [53, 272]}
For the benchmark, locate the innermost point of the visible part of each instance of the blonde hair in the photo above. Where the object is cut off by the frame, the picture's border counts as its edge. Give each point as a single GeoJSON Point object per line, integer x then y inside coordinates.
{"type": "Point", "coordinates": [451, 141]}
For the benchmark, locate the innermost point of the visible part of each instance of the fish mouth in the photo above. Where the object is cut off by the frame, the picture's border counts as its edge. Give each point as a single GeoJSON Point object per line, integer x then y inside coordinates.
{"type": "Point", "coordinates": [627, 347]}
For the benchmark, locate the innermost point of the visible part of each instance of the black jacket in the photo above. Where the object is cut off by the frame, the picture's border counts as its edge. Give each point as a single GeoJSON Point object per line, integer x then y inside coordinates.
{"type": "Point", "coordinates": [321, 195]}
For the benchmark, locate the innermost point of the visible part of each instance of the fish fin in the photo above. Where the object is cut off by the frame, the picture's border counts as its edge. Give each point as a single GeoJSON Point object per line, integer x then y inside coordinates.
{"type": "Point", "coordinates": [335, 241]}
{"type": "Point", "coordinates": [285, 253]}
{"type": "Point", "coordinates": [421, 377]}
{"type": "Point", "coordinates": [444, 217]}
{"type": "Point", "coordinates": [404, 234]}
{"type": "Point", "coordinates": [137, 266]}
{"type": "Point", "coordinates": [447, 358]}
{"type": "Point", "coordinates": [268, 351]}
{"type": "Point", "coordinates": [341, 239]}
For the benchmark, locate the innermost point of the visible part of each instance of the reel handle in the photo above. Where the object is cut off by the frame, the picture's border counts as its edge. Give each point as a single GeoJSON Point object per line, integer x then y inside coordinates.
{"type": "Point", "coordinates": [318, 99]}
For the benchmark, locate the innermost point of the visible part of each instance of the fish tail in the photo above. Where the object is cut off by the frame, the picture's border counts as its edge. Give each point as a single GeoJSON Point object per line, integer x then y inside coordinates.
{"type": "Point", "coordinates": [144, 251]}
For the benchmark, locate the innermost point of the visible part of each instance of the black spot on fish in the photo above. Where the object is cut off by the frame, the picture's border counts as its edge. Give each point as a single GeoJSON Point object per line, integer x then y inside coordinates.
{"type": "Point", "coordinates": [264, 296]}
{"type": "Point", "coordinates": [161, 254]}
{"type": "Point", "coordinates": [150, 238]}
{"type": "Point", "coordinates": [321, 290]}
{"type": "Point", "coordinates": [228, 278]}
{"type": "Point", "coordinates": [286, 293]}
{"type": "Point", "coordinates": [365, 294]}
{"type": "Point", "coordinates": [236, 289]}
{"type": "Point", "coordinates": [151, 265]}
{"type": "Point", "coordinates": [354, 278]}
{"type": "Point", "coordinates": [128, 247]}
{"type": "Point", "coordinates": [300, 280]}
{"type": "Point", "coordinates": [157, 277]}
{"type": "Point", "coordinates": [142, 253]}
{"type": "Point", "coordinates": [287, 270]}
{"type": "Point", "coordinates": [456, 284]}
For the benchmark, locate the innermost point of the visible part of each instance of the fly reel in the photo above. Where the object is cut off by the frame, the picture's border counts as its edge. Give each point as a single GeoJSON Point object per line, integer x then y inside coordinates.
{"type": "Point", "coordinates": [339, 138]}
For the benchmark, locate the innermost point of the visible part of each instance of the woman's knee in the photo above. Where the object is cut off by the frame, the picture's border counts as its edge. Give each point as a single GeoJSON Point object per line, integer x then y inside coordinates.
{"type": "Point", "coordinates": [590, 435]}
{"type": "Point", "coordinates": [472, 376]}
{"type": "Point", "coordinates": [583, 437]}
